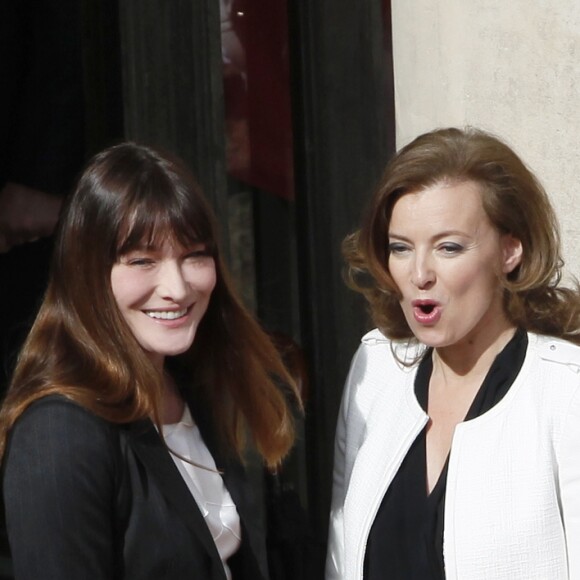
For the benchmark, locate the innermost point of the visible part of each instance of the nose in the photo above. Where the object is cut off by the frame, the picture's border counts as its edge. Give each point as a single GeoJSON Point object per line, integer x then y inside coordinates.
{"type": "Point", "coordinates": [171, 283]}
{"type": "Point", "coordinates": [423, 274]}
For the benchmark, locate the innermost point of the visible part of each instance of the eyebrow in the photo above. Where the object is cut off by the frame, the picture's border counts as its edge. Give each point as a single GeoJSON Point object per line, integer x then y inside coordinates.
{"type": "Point", "coordinates": [436, 237]}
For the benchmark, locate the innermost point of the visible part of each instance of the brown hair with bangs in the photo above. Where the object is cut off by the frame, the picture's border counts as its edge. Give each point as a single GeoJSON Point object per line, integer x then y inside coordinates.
{"type": "Point", "coordinates": [516, 204]}
{"type": "Point", "coordinates": [80, 345]}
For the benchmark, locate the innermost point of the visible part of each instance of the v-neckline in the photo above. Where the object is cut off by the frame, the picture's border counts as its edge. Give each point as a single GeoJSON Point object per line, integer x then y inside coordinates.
{"type": "Point", "coordinates": [493, 388]}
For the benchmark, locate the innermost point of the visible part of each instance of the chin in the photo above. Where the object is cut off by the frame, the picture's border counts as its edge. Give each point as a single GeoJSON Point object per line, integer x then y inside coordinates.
{"type": "Point", "coordinates": [177, 351]}
{"type": "Point", "coordinates": [430, 339]}
{"type": "Point", "coordinates": [173, 350]}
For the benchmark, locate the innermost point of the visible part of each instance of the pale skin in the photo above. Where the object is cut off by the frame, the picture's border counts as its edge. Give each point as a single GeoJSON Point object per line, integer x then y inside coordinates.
{"type": "Point", "coordinates": [163, 293]}
{"type": "Point", "coordinates": [447, 260]}
{"type": "Point", "coordinates": [452, 388]}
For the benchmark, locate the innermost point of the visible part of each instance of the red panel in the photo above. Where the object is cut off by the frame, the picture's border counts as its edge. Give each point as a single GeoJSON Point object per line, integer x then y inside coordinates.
{"type": "Point", "coordinates": [257, 94]}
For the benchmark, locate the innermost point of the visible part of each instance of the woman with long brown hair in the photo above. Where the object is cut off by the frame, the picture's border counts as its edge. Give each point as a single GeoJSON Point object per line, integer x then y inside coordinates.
{"type": "Point", "coordinates": [124, 429]}
{"type": "Point", "coordinates": [458, 443]}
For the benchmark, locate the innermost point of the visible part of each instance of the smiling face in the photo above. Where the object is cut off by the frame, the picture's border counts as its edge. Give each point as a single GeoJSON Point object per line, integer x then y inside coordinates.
{"type": "Point", "coordinates": [447, 259]}
{"type": "Point", "coordinates": [163, 293]}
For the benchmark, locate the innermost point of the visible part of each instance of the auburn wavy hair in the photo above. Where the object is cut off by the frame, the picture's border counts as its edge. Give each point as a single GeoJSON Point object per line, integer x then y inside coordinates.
{"type": "Point", "coordinates": [80, 345]}
{"type": "Point", "coordinates": [514, 201]}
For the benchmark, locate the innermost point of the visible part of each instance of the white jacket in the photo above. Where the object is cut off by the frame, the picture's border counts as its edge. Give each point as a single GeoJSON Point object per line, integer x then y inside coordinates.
{"type": "Point", "coordinates": [512, 506]}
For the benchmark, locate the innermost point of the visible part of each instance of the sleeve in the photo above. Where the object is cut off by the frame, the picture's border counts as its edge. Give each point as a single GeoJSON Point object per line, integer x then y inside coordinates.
{"type": "Point", "coordinates": [59, 486]}
{"type": "Point", "coordinates": [340, 478]}
{"type": "Point", "coordinates": [570, 486]}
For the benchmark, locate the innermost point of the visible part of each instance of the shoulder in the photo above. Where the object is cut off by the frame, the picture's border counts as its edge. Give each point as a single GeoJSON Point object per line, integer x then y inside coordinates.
{"type": "Point", "coordinates": [56, 430]}
{"type": "Point", "coordinates": [61, 488]}
{"type": "Point", "coordinates": [378, 354]}
{"type": "Point", "coordinates": [551, 374]}
{"type": "Point", "coordinates": [59, 413]}
{"type": "Point", "coordinates": [557, 383]}
{"type": "Point", "coordinates": [557, 362]}
{"type": "Point", "coordinates": [381, 369]}
{"type": "Point", "coordinates": [555, 351]}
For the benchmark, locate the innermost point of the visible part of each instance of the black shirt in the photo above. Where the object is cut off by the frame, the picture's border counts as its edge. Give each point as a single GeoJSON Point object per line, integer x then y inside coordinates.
{"type": "Point", "coordinates": [406, 538]}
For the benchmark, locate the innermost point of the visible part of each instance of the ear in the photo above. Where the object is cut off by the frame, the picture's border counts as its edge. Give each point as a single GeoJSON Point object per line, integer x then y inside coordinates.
{"type": "Point", "coordinates": [512, 253]}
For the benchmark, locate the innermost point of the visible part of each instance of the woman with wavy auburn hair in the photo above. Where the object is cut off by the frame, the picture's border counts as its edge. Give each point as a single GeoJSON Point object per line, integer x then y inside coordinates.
{"type": "Point", "coordinates": [458, 442]}
{"type": "Point", "coordinates": [124, 429]}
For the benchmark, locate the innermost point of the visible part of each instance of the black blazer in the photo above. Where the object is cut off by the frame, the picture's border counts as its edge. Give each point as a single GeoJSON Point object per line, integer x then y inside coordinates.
{"type": "Point", "coordinates": [87, 499]}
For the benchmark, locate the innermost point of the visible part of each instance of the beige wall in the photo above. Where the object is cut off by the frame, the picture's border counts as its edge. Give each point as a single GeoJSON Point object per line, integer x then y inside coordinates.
{"type": "Point", "coordinates": [511, 67]}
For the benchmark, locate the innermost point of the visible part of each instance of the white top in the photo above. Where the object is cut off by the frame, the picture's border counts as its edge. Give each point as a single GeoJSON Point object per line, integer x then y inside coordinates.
{"type": "Point", "coordinates": [207, 487]}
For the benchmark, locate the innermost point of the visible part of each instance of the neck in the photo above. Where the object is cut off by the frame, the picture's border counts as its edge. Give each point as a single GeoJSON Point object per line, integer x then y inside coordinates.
{"type": "Point", "coordinates": [173, 403]}
{"type": "Point", "coordinates": [474, 356]}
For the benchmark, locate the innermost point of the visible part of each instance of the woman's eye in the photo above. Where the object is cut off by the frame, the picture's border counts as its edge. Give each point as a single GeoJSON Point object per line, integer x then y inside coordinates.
{"type": "Point", "coordinates": [451, 248]}
{"type": "Point", "coordinates": [198, 253]}
{"type": "Point", "coordinates": [398, 248]}
{"type": "Point", "coordinates": [139, 261]}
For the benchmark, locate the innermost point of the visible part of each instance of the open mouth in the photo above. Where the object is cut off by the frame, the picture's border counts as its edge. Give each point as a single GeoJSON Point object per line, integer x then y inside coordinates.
{"type": "Point", "coordinates": [426, 311]}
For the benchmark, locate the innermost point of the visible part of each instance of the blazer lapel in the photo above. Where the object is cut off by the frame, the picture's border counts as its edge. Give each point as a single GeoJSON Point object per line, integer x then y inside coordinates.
{"type": "Point", "coordinates": [147, 444]}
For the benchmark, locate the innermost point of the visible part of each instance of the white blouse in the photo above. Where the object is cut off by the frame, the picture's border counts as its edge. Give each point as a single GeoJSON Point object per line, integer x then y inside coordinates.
{"type": "Point", "coordinates": [207, 487]}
